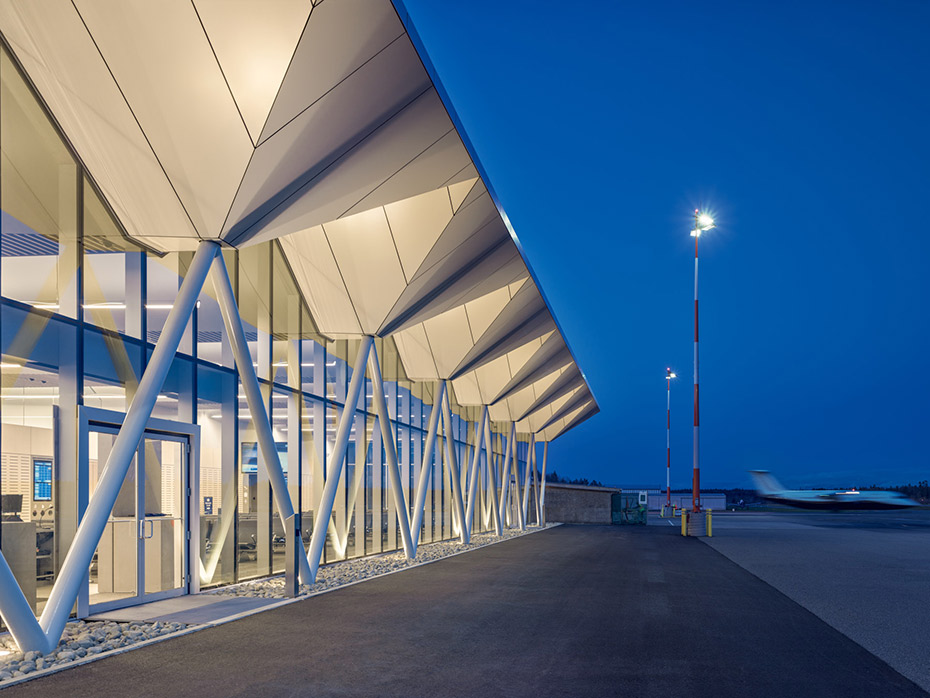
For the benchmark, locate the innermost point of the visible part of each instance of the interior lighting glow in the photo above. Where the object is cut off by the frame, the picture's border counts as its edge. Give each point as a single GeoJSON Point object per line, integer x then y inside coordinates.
{"type": "Point", "coordinates": [5, 364]}
{"type": "Point", "coordinates": [105, 306]}
{"type": "Point", "coordinates": [31, 396]}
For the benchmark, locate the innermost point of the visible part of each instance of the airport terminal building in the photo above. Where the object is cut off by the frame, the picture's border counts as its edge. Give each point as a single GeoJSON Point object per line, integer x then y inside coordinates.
{"type": "Point", "coordinates": [257, 292]}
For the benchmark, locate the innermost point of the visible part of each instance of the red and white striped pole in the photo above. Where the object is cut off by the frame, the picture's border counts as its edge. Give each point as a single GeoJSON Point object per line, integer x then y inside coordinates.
{"type": "Point", "coordinates": [702, 222]}
{"type": "Point", "coordinates": [668, 437]}
{"type": "Point", "coordinates": [696, 480]}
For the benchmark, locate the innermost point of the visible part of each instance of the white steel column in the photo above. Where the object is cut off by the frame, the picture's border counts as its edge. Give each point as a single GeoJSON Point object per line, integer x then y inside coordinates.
{"type": "Point", "coordinates": [492, 476]}
{"type": "Point", "coordinates": [526, 480]}
{"type": "Point", "coordinates": [253, 396]}
{"type": "Point", "coordinates": [452, 461]}
{"type": "Point", "coordinates": [517, 493]}
{"type": "Point", "coordinates": [542, 485]}
{"type": "Point", "coordinates": [536, 490]}
{"type": "Point", "coordinates": [74, 569]}
{"type": "Point", "coordinates": [505, 486]}
{"type": "Point", "coordinates": [334, 469]}
{"type": "Point", "coordinates": [390, 450]}
{"type": "Point", "coordinates": [426, 469]}
{"type": "Point", "coordinates": [473, 472]}
{"type": "Point", "coordinates": [18, 616]}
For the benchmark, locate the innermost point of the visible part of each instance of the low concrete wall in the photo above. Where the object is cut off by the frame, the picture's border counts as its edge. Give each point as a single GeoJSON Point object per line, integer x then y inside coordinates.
{"type": "Point", "coordinates": [578, 503]}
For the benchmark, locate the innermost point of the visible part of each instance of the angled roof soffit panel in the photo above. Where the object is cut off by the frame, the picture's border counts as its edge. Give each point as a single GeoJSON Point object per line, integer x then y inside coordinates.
{"type": "Point", "coordinates": [552, 355]}
{"type": "Point", "coordinates": [568, 380]}
{"type": "Point", "coordinates": [470, 257]}
{"type": "Point", "coordinates": [377, 268]}
{"type": "Point", "coordinates": [579, 399]}
{"type": "Point", "coordinates": [512, 407]}
{"type": "Point", "coordinates": [533, 424]}
{"type": "Point", "coordinates": [491, 376]}
{"type": "Point", "coordinates": [556, 430]}
{"type": "Point", "coordinates": [449, 335]}
{"type": "Point", "coordinates": [525, 318]}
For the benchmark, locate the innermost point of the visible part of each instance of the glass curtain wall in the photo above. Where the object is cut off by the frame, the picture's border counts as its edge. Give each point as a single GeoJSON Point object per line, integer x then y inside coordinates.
{"type": "Point", "coordinates": [81, 310]}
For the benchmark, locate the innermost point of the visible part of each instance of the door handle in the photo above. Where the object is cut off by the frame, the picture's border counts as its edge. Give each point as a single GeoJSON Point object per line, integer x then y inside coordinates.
{"type": "Point", "coordinates": [142, 523]}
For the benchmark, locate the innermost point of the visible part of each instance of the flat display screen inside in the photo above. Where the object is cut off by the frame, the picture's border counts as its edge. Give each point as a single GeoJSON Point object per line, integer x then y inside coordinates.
{"type": "Point", "coordinates": [41, 480]}
{"type": "Point", "coordinates": [250, 455]}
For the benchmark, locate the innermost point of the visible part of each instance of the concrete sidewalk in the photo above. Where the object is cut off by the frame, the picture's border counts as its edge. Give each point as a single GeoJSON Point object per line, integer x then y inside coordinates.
{"type": "Point", "coordinates": [572, 611]}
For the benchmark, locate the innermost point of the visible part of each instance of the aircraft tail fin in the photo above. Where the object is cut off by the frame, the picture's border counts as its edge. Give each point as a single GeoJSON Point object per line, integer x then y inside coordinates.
{"type": "Point", "coordinates": [765, 482]}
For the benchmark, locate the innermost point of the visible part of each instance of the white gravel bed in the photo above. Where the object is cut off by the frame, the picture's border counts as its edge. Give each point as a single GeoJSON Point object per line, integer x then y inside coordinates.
{"type": "Point", "coordinates": [80, 639]}
{"type": "Point", "coordinates": [339, 574]}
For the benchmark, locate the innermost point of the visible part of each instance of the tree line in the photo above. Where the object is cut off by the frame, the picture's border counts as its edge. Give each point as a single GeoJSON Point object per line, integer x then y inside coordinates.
{"type": "Point", "coordinates": [554, 477]}
{"type": "Point", "coordinates": [919, 492]}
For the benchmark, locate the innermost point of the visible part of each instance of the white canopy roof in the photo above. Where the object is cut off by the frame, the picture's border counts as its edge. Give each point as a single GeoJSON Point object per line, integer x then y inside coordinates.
{"type": "Point", "coordinates": [322, 126]}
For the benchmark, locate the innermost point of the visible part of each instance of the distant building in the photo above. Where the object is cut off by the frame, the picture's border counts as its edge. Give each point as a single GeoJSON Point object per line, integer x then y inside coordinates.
{"type": "Point", "coordinates": [713, 501]}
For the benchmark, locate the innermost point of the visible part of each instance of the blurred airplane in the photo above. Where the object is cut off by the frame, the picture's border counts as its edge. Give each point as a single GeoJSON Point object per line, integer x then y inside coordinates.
{"type": "Point", "coordinates": [771, 490]}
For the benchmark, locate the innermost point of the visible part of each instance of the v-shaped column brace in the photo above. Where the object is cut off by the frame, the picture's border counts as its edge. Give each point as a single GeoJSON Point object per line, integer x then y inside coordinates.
{"type": "Point", "coordinates": [322, 520]}
{"type": "Point", "coordinates": [43, 634]}
{"type": "Point", "coordinates": [505, 488]}
{"type": "Point", "coordinates": [324, 511]}
{"type": "Point", "coordinates": [253, 396]}
{"type": "Point", "coordinates": [473, 473]}
{"type": "Point", "coordinates": [390, 451]}
{"type": "Point", "coordinates": [526, 480]}
{"type": "Point", "coordinates": [426, 468]}
{"type": "Point", "coordinates": [536, 490]}
{"type": "Point", "coordinates": [492, 475]}
{"type": "Point", "coordinates": [453, 466]}
{"type": "Point", "coordinates": [542, 486]}
{"type": "Point", "coordinates": [339, 540]}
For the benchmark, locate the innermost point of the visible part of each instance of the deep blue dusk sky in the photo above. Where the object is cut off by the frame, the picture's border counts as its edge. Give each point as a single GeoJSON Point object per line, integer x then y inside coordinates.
{"type": "Point", "coordinates": [804, 127]}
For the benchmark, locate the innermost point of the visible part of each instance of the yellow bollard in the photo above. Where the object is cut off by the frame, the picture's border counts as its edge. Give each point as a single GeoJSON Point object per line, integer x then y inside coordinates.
{"type": "Point", "coordinates": [710, 530]}
{"type": "Point", "coordinates": [684, 523]}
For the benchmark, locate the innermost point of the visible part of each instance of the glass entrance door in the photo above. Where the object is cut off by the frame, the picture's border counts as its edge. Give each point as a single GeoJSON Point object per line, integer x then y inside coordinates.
{"type": "Point", "coordinates": [142, 555]}
{"type": "Point", "coordinates": [164, 524]}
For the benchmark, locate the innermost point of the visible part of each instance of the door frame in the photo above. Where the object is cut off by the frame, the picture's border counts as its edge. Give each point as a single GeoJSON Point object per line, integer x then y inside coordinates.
{"type": "Point", "coordinates": [90, 417]}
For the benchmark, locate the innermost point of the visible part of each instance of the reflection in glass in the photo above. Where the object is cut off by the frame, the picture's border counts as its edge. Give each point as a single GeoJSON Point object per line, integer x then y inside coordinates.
{"type": "Point", "coordinates": [113, 573]}
{"type": "Point", "coordinates": [164, 526]}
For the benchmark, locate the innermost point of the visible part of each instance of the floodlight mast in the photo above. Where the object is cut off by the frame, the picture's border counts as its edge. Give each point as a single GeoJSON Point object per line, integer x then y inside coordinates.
{"type": "Point", "coordinates": [702, 222]}
{"type": "Point", "coordinates": [669, 374]}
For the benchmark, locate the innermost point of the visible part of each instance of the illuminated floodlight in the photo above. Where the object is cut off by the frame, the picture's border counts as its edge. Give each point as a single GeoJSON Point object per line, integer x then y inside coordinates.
{"type": "Point", "coordinates": [670, 373]}
{"type": "Point", "coordinates": [702, 221]}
